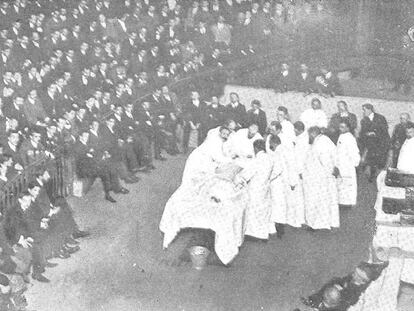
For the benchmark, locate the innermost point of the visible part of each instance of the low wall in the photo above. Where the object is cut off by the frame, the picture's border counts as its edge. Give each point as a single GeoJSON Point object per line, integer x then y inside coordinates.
{"type": "Point", "coordinates": [297, 103]}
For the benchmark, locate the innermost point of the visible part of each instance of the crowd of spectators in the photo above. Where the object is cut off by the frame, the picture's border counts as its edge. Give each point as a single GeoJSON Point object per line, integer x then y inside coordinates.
{"type": "Point", "coordinates": [88, 80]}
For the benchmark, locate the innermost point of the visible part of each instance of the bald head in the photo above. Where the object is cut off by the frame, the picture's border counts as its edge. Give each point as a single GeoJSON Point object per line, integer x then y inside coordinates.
{"type": "Point", "coordinates": [253, 130]}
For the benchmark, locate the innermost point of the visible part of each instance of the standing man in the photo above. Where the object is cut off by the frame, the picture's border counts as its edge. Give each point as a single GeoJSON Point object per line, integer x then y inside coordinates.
{"type": "Point", "coordinates": [405, 159]}
{"type": "Point", "coordinates": [257, 116]}
{"type": "Point", "coordinates": [343, 113]}
{"type": "Point", "coordinates": [374, 141]}
{"type": "Point", "coordinates": [399, 136]}
{"type": "Point", "coordinates": [314, 116]}
{"type": "Point", "coordinates": [287, 135]}
{"type": "Point", "coordinates": [347, 159]}
{"type": "Point", "coordinates": [319, 184]}
{"type": "Point", "coordinates": [236, 111]}
{"type": "Point", "coordinates": [257, 177]}
{"type": "Point", "coordinates": [194, 128]}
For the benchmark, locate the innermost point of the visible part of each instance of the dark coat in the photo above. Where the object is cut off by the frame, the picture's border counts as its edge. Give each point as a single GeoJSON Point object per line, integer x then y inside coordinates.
{"type": "Point", "coordinates": [376, 145]}
{"type": "Point", "coordinates": [259, 119]}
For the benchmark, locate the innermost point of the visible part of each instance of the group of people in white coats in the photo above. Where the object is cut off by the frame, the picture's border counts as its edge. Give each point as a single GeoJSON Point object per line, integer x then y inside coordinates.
{"type": "Point", "coordinates": [294, 176]}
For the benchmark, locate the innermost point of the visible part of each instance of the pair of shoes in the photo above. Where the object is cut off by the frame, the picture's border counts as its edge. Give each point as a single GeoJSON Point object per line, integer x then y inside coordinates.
{"type": "Point", "coordinates": [122, 191]}
{"type": "Point", "coordinates": [78, 234]}
{"type": "Point", "coordinates": [71, 241]}
{"type": "Point", "coordinates": [50, 264]}
{"type": "Point", "coordinates": [71, 250]}
{"type": "Point", "coordinates": [109, 198]}
{"type": "Point", "coordinates": [39, 277]}
{"type": "Point", "coordinates": [62, 254]}
{"type": "Point", "coordinates": [131, 180]}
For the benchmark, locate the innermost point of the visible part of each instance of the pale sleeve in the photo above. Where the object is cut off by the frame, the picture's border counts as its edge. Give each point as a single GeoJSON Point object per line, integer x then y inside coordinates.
{"type": "Point", "coordinates": [353, 152]}
{"type": "Point", "coordinates": [326, 156]}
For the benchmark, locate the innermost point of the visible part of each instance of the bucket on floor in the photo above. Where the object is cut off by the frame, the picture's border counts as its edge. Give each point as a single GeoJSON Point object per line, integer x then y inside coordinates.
{"type": "Point", "coordinates": [199, 255]}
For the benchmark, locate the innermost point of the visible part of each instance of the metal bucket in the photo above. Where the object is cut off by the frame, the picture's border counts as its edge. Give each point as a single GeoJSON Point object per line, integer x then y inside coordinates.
{"type": "Point", "coordinates": [199, 255]}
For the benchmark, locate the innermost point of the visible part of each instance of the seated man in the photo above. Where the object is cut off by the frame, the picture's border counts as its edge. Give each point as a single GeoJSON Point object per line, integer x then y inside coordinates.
{"type": "Point", "coordinates": [90, 164]}
{"type": "Point", "coordinates": [23, 229]}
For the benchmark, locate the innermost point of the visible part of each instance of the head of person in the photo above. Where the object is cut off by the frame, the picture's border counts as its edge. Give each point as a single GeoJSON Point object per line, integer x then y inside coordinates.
{"type": "Point", "coordinates": [274, 141]}
{"type": "Point", "coordinates": [3, 166]}
{"type": "Point", "coordinates": [316, 104]}
{"type": "Point", "coordinates": [214, 101]}
{"type": "Point", "coordinates": [14, 138]}
{"type": "Point", "coordinates": [299, 127]}
{"type": "Point", "coordinates": [282, 113]}
{"type": "Point", "coordinates": [224, 133]}
{"type": "Point", "coordinates": [24, 200]}
{"type": "Point", "coordinates": [405, 118]}
{"type": "Point", "coordinates": [409, 130]}
{"type": "Point", "coordinates": [256, 105]}
{"type": "Point", "coordinates": [110, 122]}
{"type": "Point", "coordinates": [342, 106]}
{"type": "Point", "coordinates": [234, 97]}
{"type": "Point", "coordinates": [252, 131]}
{"type": "Point", "coordinates": [231, 125]}
{"type": "Point", "coordinates": [331, 297]}
{"type": "Point", "coordinates": [34, 189]}
{"type": "Point", "coordinates": [344, 126]}
{"type": "Point", "coordinates": [275, 128]}
{"type": "Point", "coordinates": [84, 136]}
{"type": "Point", "coordinates": [195, 95]}
{"type": "Point", "coordinates": [19, 101]}
{"type": "Point", "coordinates": [44, 176]}
{"type": "Point", "coordinates": [35, 136]}
{"type": "Point", "coordinates": [259, 145]}
{"type": "Point", "coordinates": [363, 274]}
{"type": "Point", "coordinates": [146, 105]}
{"type": "Point", "coordinates": [314, 132]}
{"type": "Point", "coordinates": [367, 110]}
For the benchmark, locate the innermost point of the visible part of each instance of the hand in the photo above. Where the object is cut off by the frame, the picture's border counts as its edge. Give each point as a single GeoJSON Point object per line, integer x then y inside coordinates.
{"type": "Point", "coordinates": [292, 188]}
{"type": "Point", "coordinates": [336, 172]}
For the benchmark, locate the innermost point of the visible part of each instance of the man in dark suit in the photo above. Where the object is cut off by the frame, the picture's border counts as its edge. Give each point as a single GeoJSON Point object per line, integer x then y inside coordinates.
{"type": "Point", "coordinates": [257, 116]}
{"type": "Point", "coordinates": [148, 121]}
{"type": "Point", "coordinates": [236, 111]}
{"type": "Point", "coordinates": [216, 113]}
{"type": "Point", "coordinates": [195, 119]}
{"type": "Point", "coordinates": [24, 230]}
{"type": "Point", "coordinates": [11, 148]}
{"type": "Point", "coordinates": [92, 164]}
{"type": "Point", "coordinates": [305, 81]}
{"type": "Point", "coordinates": [285, 79]}
{"type": "Point", "coordinates": [15, 111]}
{"type": "Point", "coordinates": [374, 140]}
{"type": "Point", "coordinates": [336, 119]}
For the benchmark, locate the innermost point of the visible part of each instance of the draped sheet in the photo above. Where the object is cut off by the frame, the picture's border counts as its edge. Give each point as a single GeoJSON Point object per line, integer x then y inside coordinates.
{"type": "Point", "coordinates": [192, 206]}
